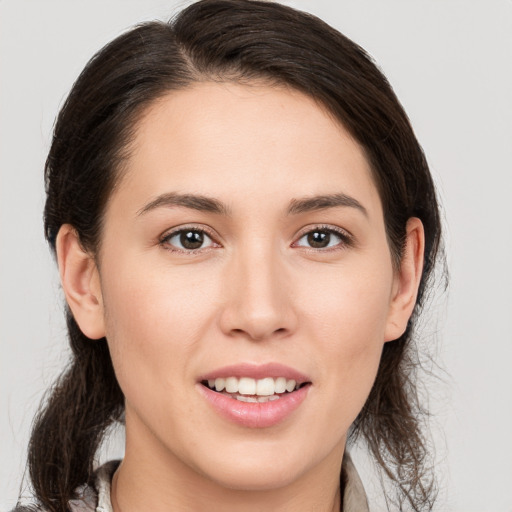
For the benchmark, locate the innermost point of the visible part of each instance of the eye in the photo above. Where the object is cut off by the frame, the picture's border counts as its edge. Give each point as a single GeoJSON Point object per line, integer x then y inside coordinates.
{"type": "Point", "coordinates": [323, 238]}
{"type": "Point", "coordinates": [188, 239]}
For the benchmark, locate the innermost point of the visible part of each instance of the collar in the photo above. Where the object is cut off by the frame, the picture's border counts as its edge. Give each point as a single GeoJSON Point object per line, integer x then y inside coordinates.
{"type": "Point", "coordinates": [354, 497]}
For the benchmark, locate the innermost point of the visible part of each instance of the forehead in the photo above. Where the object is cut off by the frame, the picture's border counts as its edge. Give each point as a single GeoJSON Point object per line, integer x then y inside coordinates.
{"type": "Point", "coordinates": [226, 139]}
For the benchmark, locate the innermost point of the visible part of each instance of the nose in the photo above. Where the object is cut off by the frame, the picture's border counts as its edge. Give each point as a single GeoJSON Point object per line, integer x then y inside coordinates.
{"type": "Point", "coordinates": [259, 302]}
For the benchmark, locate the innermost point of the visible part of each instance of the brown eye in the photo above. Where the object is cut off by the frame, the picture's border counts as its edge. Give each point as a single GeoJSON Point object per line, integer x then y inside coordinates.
{"type": "Point", "coordinates": [322, 239]}
{"type": "Point", "coordinates": [318, 239]}
{"type": "Point", "coordinates": [191, 239]}
{"type": "Point", "coordinates": [188, 240]}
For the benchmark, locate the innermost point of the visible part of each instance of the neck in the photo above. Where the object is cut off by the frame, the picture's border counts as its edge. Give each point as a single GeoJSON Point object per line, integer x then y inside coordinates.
{"type": "Point", "coordinates": [284, 501]}
{"type": "Point", "coordinates": [151, 478]}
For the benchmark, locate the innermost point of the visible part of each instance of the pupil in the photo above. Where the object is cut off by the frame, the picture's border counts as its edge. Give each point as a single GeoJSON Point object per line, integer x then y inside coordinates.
{"type": "Point", "coordinates": [191, 239]}
{"type": "Point", "coordinates": [319, 239]}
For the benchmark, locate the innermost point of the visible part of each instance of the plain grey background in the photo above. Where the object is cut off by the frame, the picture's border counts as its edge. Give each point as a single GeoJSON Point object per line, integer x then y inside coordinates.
{"type": "Point", "coordinates": [450, 63]}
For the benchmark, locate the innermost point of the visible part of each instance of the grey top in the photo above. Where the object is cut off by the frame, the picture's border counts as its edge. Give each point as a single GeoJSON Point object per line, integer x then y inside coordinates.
{"type": "Point", "coordinates": [97, 498]}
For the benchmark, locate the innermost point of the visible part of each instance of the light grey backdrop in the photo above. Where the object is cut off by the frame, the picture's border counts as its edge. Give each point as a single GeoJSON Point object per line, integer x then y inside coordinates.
{"type": "Point", "coordinates": [450, 64]}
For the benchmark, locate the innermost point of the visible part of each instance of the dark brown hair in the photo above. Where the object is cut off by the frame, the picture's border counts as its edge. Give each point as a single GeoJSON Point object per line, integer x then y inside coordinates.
{"type": "Point", "coordinates": [227, 40]}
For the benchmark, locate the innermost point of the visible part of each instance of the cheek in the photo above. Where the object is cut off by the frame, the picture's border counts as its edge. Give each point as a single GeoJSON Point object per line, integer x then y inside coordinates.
{"type": "Point", "coordinates": [349, 305]}
{"type": "Point", "coordinates": [154, 298]}
{"type": "Point", "coordinates": [348, 319]}
{"type": "Point", "coordinates": [155, 320]}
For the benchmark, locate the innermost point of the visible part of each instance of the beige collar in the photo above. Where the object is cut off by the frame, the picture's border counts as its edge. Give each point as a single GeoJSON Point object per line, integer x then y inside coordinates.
{"type": "Point", "coordinates": [354, 497]}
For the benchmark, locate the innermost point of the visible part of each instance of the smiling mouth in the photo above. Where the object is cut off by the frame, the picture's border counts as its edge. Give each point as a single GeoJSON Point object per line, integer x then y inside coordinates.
{"type": "Point", "coordinates": [246, 389]}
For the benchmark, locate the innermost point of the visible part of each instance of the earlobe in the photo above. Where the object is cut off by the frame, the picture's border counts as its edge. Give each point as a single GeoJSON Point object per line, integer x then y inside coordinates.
{"type": "Point", "coordinates": [407, 280]}
{"type": "Point", "coordinates": [80, 281]}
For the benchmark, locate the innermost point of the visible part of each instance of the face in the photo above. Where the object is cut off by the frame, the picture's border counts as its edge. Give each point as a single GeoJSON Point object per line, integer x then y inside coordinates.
{"type": "Point", "coordinates": [244, 247]}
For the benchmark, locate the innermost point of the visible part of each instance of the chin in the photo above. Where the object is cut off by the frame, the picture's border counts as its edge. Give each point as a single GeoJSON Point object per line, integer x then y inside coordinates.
{"type": "Point", "coordinates": [255, 477]}
{"type": "Point", "coordinates": [260, 468]}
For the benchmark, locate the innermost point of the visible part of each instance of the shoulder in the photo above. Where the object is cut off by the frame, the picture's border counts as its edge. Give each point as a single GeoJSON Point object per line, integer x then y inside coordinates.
{"type": "Point", "coordinates": [88, 498]}
{"type": "Point", "coordinates": [97, 498]}
{"type": "Point", "coordinates": [103, 481]}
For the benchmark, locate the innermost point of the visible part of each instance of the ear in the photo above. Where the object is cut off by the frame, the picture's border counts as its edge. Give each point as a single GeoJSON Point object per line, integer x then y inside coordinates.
{"type": "Point", "coordinates": [407, 280]}
{"type": "Point", "coordinates": [81, 283]}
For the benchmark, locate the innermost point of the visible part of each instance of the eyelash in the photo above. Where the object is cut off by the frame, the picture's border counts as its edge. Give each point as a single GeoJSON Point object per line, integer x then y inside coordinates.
{"type": "Point", "coordinates": [164, 241]}
{"type": "Point", "coordinates": [345, 239]}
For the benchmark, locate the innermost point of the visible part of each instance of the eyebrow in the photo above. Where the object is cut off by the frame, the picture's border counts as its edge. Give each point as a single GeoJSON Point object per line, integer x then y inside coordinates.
{"type": "Point", "coordinates": [211, 205]}
{"type": "Point", "coordinates": [192, 201]}
{"type": "Point", "coordinates": [323, 202]}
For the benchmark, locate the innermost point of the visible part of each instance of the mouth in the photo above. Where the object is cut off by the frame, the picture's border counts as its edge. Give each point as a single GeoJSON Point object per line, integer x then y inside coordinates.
{"type": "Point", "coordinates": [255, 396]}
{"type": "Point", "coordinates": [250, 390]}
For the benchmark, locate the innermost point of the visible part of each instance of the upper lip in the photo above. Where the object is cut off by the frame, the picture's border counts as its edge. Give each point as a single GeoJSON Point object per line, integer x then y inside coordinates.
{"type": "Point", "coordinates": [256, 371]}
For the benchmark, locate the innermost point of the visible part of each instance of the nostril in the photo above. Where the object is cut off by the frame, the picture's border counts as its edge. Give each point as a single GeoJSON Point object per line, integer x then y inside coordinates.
{"type": "Point", "coordinates": [257, 334]}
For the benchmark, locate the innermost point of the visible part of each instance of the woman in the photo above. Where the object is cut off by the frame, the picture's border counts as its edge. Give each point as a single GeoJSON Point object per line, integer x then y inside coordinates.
{"type": "Point", "coordinates": [245, 226]}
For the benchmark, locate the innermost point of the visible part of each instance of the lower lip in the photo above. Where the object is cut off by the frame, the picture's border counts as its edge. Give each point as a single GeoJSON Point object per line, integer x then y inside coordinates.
{"type": "Point", "coordinates": [255, 415]}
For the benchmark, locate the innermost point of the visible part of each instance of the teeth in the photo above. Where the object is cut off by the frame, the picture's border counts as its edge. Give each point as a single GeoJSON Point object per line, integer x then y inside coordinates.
{"type": "Point", "coordinates": [253, 399]}
{"type": "Point", "coordinates": [267, 387]}
{"type": "Point", "coordinates": [290, 385]}
{"type": "Point", "coordinates": [280, 385]}
{"type": "Point", "coordinates": [220, 384]}
{"type": "Point", "coordinates": [232, 385]}
{"type": "Point", "coordinates": [247, 386]}
{"type": "Point", "coordinates": [246, 398]}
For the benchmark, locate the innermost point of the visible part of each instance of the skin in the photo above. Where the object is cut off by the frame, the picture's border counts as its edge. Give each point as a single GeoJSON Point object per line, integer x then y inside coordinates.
{"type": "Point", "coordinates": [256, 294]}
